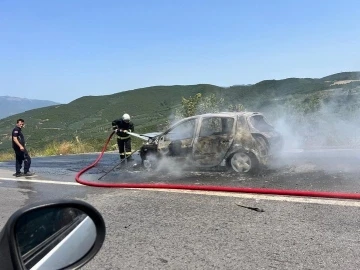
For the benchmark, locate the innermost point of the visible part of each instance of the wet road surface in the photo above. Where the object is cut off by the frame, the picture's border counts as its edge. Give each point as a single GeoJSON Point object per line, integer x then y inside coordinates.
{"type": "Point", "coordinates": [149, 229]}
{"type": "Point", "coordinates": [323, 170]}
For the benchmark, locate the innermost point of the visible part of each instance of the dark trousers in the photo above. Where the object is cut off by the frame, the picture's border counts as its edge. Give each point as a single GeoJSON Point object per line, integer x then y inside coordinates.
{"type": "Point", "coordinates": [22, 156]}
{"type": "Point", "coordinates": [124, 147]}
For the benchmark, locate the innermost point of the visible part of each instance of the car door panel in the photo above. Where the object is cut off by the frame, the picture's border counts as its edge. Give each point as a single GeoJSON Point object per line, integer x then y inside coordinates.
{"type": "Point", "coordinates": [213, 140]}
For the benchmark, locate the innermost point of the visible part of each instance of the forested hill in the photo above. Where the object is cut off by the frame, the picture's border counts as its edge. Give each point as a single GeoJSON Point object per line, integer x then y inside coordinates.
{"type": "Point", "coordinates": [89, 117]}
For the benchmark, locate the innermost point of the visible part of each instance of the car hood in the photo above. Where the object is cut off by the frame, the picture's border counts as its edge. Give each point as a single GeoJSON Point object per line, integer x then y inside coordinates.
{"type": "Point", "coordinates": [151, 134]}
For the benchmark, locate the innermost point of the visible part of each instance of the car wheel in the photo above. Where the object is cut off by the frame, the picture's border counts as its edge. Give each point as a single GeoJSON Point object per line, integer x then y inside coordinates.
{"type": "Point", "coordinates": [149, 162]}
{"type": "Point", "coordinates": [242, 162]}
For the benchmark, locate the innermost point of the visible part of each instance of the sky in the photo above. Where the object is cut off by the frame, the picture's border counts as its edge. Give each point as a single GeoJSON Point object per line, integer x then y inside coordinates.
{"type": "Point", "coordinates": [61, 50]}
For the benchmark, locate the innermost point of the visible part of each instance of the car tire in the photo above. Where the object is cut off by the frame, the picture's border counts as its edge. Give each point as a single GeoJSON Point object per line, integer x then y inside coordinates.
{"type": "Point", "coordinates": [243, 162]}
{"type": "Point", "coordinates": [150, 162]}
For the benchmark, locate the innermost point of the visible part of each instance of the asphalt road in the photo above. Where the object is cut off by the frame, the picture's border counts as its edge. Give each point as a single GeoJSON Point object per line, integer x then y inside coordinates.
{"type": "Point", "coordinates": [322, 170]}
{"type": "Point", "coordinates": [174, 229]}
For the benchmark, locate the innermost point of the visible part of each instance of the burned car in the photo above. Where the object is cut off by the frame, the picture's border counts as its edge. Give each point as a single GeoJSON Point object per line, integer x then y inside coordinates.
{"type": "Point", "coordinates": [242, 141]}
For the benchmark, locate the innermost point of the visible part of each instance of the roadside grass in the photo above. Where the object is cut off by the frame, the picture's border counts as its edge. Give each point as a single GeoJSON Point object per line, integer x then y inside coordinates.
{"type": "Point", "coordinates": [56, 148]}
{"type": "Point", "coordinates": [64, 148]}
{"type": "Point", "coordinates": [76, 146]}
{"type": "Point", "coordinates": [6, 156]}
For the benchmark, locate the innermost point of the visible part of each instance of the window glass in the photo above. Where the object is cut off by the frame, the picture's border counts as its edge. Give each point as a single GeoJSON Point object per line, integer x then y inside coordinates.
{"type": "Point", "coordinates": [216, 126]}
{"type": "Point", "coordinates": [259, 123]}
{"type": "Point", "coordinates": [182, 131]}
{"type": "Point", "coordinates": [36, 226]}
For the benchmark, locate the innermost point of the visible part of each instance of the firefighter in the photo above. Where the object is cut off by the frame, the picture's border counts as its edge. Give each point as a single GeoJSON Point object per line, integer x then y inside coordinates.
{"type": "Point", "coordinates": [121, 127]}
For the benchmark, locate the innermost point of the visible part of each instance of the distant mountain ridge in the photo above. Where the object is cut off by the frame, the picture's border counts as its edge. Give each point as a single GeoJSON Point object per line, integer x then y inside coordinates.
{"type": "Point", "coordinates": [14, 105]}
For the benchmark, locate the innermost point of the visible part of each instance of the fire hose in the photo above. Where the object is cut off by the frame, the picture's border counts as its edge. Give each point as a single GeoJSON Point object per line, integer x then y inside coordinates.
{"type": "Point", "coordinates": [283, 192]}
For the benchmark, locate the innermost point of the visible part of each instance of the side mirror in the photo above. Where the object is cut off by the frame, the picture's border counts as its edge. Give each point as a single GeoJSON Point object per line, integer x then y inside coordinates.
{"type": "Point", "coordinates": [63, 234]}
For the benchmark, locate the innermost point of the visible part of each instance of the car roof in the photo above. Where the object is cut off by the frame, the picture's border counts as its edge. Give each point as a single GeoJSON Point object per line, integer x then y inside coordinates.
{"type": "Point", "coordinates": [219, 114]}
{"type": "Point", "coordinates": [228, 114]}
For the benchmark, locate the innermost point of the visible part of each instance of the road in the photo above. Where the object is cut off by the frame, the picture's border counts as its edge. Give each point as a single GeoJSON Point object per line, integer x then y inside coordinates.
{"type": "Point", "coordinates": [175, 229]}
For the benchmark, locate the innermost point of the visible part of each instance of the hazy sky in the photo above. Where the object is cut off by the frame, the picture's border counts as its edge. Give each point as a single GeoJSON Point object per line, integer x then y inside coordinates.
{"type": "Point", "coordinates": [61, 50]}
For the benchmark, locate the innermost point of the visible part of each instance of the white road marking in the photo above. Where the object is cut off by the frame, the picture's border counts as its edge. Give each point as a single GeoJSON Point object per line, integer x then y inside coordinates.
{"type": "Point", "coordinates": [41, 181]}
{"type": "Point", "coordinates": [254, 196]}
{"type": "Point", "coordinates": [282, 198]}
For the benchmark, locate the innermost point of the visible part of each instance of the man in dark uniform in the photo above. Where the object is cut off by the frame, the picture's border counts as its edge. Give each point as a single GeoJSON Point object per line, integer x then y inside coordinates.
{"type": "Point", "coordinates": [21, 154]}
{"type": "Point", "coordinates": [121, 127]}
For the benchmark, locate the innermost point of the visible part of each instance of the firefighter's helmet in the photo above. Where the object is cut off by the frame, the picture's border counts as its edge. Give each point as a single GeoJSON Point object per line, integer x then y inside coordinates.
{"type": "Point", "coordinates": [126, 117]}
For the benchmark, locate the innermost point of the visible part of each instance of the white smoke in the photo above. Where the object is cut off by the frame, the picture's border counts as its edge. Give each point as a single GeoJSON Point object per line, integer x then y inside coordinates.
{"type": "Point", "coordinates": [170, 166]}
{"type": "Point", "coordinates": [331, 126]}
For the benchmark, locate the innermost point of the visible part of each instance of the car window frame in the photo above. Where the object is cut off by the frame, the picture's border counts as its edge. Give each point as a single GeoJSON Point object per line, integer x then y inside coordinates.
{"type": "Point", "coordinates": [269, 127]}
{"type": "Point", "coordinates": [232, 129]}
{"type": "Point", "coordinates": [165, 134]}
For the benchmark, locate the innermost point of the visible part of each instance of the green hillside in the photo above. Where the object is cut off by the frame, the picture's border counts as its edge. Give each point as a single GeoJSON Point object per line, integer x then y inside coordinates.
{"type": "Point", "coordinates": [89, 118]}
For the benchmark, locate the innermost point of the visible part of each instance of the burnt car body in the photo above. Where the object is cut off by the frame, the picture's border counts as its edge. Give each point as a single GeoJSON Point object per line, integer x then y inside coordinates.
{"type": "Point", "coordinates": [243, 141]}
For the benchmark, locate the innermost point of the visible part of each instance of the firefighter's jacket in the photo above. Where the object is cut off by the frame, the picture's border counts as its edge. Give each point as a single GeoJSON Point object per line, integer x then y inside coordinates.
{"type": "Point", "coordinates": [121, 124]}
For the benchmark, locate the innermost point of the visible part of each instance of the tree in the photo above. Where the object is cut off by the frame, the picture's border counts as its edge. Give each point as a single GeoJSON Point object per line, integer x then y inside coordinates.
{"type": "Point", "coordinates": [199, 104]}
{"type": "Point", "coordinates": [188, 106]}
